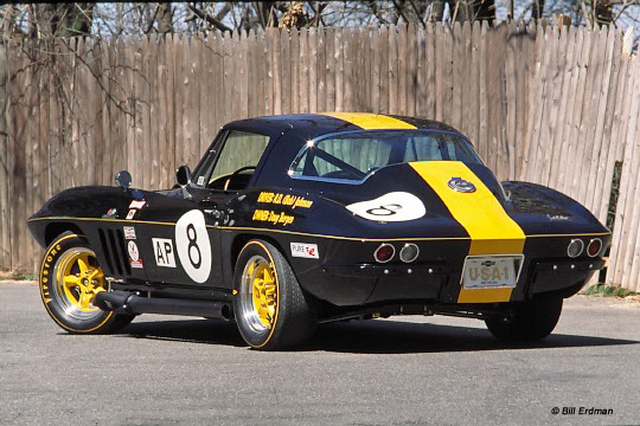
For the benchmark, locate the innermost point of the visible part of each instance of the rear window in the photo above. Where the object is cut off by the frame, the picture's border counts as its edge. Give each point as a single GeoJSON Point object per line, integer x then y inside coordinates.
{"type": "Point", "coordinates": [355, 155]}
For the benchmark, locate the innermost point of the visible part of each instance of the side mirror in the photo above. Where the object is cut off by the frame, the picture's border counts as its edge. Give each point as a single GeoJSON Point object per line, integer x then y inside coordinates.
{"type": "Point", "coordinates": [183, 176]}
{"type": "Point", "coordinates": [123, 179]}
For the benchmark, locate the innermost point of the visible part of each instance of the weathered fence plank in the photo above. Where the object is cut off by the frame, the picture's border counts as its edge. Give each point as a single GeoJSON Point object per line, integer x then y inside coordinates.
{"type": "Point", "coordinates": [5, 222]}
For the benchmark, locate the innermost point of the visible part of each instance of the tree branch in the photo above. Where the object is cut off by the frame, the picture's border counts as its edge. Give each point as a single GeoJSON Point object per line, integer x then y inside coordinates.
{"type": "Point", "coordinates": [208, 18]}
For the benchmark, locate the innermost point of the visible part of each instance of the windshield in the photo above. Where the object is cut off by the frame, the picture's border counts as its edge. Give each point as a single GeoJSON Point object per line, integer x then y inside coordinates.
{"type": "Point", "coordinates": [353, 156]}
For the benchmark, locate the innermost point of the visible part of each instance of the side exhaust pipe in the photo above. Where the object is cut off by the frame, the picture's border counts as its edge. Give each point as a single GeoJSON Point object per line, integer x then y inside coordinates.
{"type": "Point", "coordinates": [131, 303]}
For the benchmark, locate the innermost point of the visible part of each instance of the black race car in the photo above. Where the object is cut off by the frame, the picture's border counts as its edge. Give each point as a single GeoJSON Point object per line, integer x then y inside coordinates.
{"type": "Point", "coordinates": [290, 221]}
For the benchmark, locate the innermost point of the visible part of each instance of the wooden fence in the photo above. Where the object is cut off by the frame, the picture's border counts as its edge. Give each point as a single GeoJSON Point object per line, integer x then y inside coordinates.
{"type": "Point", "coordinates": [554, 106]}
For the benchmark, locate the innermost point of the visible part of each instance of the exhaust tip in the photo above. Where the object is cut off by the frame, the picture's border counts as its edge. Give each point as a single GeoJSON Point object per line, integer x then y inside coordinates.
{"type": "Point", "coordinates": [226, 312]}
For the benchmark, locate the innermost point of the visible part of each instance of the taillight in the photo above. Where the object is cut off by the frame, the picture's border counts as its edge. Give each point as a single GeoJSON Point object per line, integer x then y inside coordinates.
{"type": "Point", "coordinates": [575, 247]}
{"type": "Point", "coordinates": [409, 252]}
{"type": "Point", "coordinates": [594, 247]}
{"type": "Point", "coordinates": [384, 253]}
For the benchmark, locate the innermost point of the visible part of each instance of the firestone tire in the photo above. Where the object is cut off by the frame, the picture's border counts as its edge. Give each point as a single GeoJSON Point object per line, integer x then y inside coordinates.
{"type": "Point", "coordinates": [70, 278]}
{"type": "Point", "coordinates": [531, 321]}
{"type": "Point", "coordinates": [271, 310]}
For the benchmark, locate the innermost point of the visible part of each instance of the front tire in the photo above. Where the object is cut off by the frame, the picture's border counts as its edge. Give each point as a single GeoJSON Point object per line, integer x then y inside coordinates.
{"type": "Point", "coordinates": [271, 311]}
{"type": "Point", "coordinates": [531, 321]}
{"type": "Point", "coordinates": [70, 278]}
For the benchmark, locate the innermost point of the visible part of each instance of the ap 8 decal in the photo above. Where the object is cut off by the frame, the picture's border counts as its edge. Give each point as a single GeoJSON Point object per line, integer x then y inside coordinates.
{"type": "Point", "coordinates": [193, 246]}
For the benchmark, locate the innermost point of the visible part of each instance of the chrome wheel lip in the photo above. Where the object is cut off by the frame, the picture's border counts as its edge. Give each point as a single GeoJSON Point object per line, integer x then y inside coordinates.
{"type": "Point", "coordinates": [248, 312]}
{"type": "Point", "coordinates": [61, 300]}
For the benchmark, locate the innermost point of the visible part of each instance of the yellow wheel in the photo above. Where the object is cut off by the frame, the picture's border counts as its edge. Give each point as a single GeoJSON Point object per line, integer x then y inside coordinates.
{"type": "Point", "coordinates": [271, 310]}
{"type": "Point", "coordinates": [260, 302]}
{"type": "Point", "coordinates": [78, 280]}
{"type": "Point", "coordinates": [70, 279]}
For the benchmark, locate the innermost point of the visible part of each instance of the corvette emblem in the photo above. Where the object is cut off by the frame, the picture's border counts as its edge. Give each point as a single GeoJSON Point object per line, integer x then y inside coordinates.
{"type": "Point", "coordinates": [461, 185]}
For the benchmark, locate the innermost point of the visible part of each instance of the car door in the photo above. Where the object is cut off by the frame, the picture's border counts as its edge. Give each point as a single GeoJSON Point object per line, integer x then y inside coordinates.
{"type": "Point", "coordinates": [190, 252]}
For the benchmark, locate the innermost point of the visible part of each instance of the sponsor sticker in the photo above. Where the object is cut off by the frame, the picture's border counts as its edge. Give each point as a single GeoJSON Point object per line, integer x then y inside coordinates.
{"type": "Point", "coordinates": [308, 251]}
{"type": "Point", "coordinates": [131, 214]}
{"type": "Point", "coordinates": [164, 252]}
{"type": "Point", "coordinates": [111, 213]}
{"type": "Point", "coordinates": [134, 255]}
{"type": "Point", "coordinates": [135, 204]}
{"type": "Point", "coordinates": [129, 232]}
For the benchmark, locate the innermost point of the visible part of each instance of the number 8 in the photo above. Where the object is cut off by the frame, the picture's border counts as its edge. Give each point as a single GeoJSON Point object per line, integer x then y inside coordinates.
{"type": "Point", "coordinates": [192, 236]}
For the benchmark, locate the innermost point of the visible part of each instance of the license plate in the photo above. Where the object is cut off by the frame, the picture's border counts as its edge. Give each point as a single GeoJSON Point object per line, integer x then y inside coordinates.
{"type": "Point", "coordinates": [491, 271]}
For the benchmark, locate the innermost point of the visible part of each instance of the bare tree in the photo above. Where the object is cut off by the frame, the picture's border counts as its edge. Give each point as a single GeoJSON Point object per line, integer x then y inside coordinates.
{"type": "Point", "coordinates": [41, 20]}
{"type": "Point", "coordinates": [474, 10]}
{"type": "Point", "coordinates": [60, 19]}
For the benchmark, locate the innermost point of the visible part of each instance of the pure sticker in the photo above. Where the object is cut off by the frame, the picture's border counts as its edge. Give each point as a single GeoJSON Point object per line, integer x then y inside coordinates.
{"type": "Point", "coordinates": [131, 214]}
{"type": "Point", "coordinates": [308, 251]}
{"type": "Point", "coordinates": [129, 232]}
{"type": "Point", "coordinates": [163, 252]}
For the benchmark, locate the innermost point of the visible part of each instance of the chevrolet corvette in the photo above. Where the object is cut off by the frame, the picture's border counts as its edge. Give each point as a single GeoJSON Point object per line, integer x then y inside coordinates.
{"type": "Point", "coordinates": [292, 221]}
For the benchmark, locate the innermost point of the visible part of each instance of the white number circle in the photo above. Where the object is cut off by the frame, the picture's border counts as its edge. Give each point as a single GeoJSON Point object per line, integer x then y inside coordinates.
{"type": "Point", "coordinates": [194, 249]}
{"type": "Point", "coordinates": [396, 206]}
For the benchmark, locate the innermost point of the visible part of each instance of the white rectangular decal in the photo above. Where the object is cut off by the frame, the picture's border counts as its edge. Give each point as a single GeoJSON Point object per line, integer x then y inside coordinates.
{"type": "Point", "coordinates": [137, 204]}
{"type": "Point", "coordinates": [309, 251]}
{"type": "Point", "coordinates": [163, 252]}
{"type": "Point", "coordinates": [129, 232]}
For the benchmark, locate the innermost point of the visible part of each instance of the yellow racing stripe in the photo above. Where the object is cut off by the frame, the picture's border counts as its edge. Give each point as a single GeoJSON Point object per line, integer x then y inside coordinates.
{"type": "Point", "coordinates": [491, 229]}
{"type": "Point", "coordinates": [370, 121]}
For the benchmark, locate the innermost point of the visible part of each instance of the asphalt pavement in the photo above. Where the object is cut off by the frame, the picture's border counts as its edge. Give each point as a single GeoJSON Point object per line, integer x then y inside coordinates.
{"type": "Point", "coordinates": [401, 371]}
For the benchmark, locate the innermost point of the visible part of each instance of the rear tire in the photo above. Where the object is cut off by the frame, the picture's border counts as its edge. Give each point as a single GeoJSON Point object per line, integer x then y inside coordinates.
{"type": "Point", "coordinates": [530, 322]}
{"type": "Point", "coordinates": [271, 311]}
{"type": "Point", "coordinates": [70, 278]}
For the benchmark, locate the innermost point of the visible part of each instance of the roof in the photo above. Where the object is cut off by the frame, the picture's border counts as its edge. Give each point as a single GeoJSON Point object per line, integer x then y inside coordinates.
{"type": "Point", "coordinates": [315, 125]}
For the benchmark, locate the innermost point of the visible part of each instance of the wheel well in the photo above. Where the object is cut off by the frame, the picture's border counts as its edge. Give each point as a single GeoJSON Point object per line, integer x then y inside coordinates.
{"type": "Point", "coordinates": [55, 229]}
{"type": "Point", "coordinates": [242, 239]}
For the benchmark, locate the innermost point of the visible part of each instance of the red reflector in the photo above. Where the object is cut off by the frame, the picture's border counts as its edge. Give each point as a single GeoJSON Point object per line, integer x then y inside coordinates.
{"type": "Point", "coordinates": [384, 253]}
{"type": "Point", "coordinates": [594, 247]}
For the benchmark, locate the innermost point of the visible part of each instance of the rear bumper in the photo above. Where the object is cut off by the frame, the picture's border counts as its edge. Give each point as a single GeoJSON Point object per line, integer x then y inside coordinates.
{"type": "Point", "coordinates": [365, 284]}
{"type": "Point", "coordinates": [561, 278]}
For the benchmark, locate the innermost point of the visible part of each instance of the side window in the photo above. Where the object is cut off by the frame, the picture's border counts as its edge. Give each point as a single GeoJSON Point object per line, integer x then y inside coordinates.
{"type": "Point", "coordinates": [241, 150]}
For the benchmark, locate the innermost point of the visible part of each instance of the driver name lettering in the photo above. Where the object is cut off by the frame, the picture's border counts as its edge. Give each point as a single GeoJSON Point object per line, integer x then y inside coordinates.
{"type": "Point", "coordinates": [285, 200]}
{"type": "Point", "coordinates": [272, 217]}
